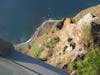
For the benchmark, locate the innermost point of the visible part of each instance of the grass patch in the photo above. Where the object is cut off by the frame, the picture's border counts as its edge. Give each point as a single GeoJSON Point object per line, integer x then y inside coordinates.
{"type": "Point", "coordinates": [36, 51]}
{"type": "Point", "coordinates": [52, 42]}
{"type": "Point", "coordinates": [87, 38]}
{"type": "Point", "coordinates": [90, 65]}
{"type": "Point", "coordinates": [73, 20]}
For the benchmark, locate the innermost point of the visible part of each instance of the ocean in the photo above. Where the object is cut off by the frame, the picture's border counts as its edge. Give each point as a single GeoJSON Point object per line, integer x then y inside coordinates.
{"type": "Point", "coordinates": [20, 18]}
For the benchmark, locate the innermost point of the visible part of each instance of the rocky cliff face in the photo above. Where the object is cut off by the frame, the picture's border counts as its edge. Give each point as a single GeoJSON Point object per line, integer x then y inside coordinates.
{"type": "Point", "coordinates": [67, 40]}
{"type": "Point", "coordinates": [74, 39]}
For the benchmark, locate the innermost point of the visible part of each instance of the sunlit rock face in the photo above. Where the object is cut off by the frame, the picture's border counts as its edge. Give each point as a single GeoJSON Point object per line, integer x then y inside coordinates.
{"type": "Point", "coordinates": [67, 21]}
{"type": "Point", "coordinates": [71, 43]}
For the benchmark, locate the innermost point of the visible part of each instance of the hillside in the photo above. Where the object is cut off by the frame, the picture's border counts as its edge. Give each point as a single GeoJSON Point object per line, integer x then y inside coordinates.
{"type": "Point", "coordinates": [72, 44]}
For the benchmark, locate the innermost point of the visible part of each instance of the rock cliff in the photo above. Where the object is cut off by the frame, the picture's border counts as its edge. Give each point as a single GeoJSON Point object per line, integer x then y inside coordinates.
{"type": "Point", "coordinates": [66, 43]}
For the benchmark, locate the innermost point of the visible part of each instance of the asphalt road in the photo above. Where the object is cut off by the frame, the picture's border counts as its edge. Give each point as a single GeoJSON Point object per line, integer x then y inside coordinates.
{"type": "Point", "coordinates": [16, 63]}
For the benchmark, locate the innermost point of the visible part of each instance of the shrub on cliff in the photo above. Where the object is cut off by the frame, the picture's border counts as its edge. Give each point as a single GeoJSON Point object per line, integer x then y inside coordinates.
{"type": "Point", "coordinates": [36, 51]}
{"type": "Point", "coordinates": [73, 20]}
{"type": "Point", "coordinates": [52, 42]}
{"type": "Point", "coordinates": [87, 37]}
{"type": "Point", "coordinates": [57, 26]}
{"type": "Point", "coordinates": [90, 65]}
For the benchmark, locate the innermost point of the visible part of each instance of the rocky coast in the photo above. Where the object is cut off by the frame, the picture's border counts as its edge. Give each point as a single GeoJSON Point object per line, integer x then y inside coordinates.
{"type": "Point", "coordinates": [69, 44]}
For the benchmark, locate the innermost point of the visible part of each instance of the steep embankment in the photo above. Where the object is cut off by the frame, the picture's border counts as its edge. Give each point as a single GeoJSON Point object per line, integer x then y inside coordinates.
{"type": "Point", "coordinates": [70, 44]}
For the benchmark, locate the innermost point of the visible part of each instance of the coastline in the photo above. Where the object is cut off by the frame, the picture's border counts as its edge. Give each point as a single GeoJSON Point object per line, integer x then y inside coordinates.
{"type": "Point", "coordinates": [35, 34]}
{"type": "Point", "coordinates": [67, 43]}
{"type": "Point", "coordinates": [38, 29]}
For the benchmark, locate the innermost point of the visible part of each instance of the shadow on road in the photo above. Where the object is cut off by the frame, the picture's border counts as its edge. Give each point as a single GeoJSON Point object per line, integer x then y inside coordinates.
{"type": "Point", "coordinates": [7, 51]}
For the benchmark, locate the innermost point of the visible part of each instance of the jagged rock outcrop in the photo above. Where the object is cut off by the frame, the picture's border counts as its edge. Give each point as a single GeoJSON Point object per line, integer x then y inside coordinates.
{"type": "Point", "coordinates": [67, 22]}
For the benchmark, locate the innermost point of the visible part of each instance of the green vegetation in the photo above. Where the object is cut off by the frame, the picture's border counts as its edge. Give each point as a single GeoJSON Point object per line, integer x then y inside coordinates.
{"type": "Point", "coordinates": [52, 42]}
{"type": "Point", "coordinates": [36, 51]}
{"type": "Point", "coordinates": [57, 26]}
{"type": "Point", "coordinates": [89, 65]}
{"type": "Point", "coordinates": [73, 20]}
{"type": "Point", "coordinates": [87, 38]}
{"type": "Point", "coordinates": [71, 66]}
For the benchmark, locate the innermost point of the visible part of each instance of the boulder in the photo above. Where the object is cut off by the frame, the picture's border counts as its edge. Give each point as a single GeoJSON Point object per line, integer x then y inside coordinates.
{"type": "Point", "coordinates": [66, 22]}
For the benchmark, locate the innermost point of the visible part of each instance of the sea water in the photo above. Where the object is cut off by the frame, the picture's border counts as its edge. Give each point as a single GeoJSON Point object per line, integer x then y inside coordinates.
{"type": "Point", "coordinates": [20, 18]}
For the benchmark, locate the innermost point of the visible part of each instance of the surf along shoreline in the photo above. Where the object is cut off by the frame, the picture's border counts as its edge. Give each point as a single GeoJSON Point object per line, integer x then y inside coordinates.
{"type": "Point", "coordinates": [35, 34]}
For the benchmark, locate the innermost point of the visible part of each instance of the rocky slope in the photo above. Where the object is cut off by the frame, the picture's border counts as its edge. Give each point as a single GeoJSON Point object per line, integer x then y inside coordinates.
{"type": "Point", "coordinates": [63, 43]}
{"type": "Point", "coordinates": [95, 10]}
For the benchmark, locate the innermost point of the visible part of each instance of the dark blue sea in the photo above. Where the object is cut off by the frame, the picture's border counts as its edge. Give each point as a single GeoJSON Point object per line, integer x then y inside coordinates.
{"type": "Point", "coordinates": [20, 18]}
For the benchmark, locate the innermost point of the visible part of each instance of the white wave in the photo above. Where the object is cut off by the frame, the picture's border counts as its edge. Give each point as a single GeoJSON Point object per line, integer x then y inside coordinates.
{"type": "Point", "coordinates": [36, 32]}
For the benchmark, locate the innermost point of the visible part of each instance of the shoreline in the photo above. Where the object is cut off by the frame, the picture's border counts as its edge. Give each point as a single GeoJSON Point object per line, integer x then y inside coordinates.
{"type": "Point", "coordinates": [32, 38]}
